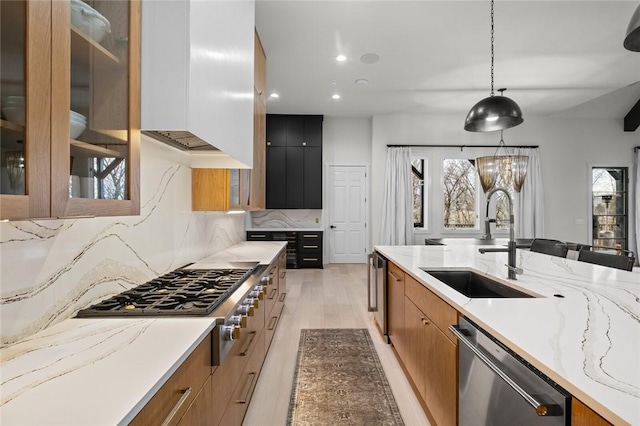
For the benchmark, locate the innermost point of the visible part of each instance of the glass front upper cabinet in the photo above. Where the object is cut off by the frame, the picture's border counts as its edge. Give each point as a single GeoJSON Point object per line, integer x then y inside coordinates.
{"type": "Point", "coordinates": [70, 91]}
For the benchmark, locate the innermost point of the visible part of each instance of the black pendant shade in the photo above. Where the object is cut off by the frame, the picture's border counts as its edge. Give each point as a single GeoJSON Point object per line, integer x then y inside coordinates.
{"type": "Point", "coordinates": [493, 113]}
{"type": "Point", "coordinates": [632, 41]}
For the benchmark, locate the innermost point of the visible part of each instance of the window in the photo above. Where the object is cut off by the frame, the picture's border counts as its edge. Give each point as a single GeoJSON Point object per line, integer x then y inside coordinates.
{"type": "Point", "coordinates": [609, 207]}
{"type": "Point", "coordinates": [459, 186]}
{"type": "Point", "coordinates": [417, 178]}
{"type": "Point", "coordinates": [111, 182]}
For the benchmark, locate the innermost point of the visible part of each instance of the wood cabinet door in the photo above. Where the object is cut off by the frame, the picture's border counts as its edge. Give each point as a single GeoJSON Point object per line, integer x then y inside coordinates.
{"type": "Point", "coordinates": [414, 355]}
{"type": "Point", "coordinates": [441, 376]}
{"type": "Point", "coordinates": [95, 114]}
{"type": "Point", "coordinates": [25, 85]}
{"type": "Point", "coordinates": [395, 318]}
{"type": "Point", "coordinates": [200, 411]}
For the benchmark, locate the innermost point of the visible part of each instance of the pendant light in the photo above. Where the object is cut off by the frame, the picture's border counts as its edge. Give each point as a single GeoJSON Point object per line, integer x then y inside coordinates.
{"type": "Point", "coordinates": [495, 112]}
{"type": "Point", "coordinates": [632, 40]}
{"type": "Point", "coordinates": [512, 168]}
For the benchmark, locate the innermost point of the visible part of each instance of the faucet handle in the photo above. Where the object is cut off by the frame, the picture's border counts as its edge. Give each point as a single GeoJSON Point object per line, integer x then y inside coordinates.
{"type": "Point", "coordinates": [517, 270]}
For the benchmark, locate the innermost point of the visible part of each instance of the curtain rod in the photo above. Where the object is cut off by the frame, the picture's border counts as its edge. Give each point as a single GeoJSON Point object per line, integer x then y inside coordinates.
{"type": "Point", "coordinates": [635, 149]}
{"type": "Point", "coordinates": [462, 146]}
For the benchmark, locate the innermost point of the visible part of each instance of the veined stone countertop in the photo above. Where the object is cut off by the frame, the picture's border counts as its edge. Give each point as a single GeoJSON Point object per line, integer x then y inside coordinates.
{"type": "Point", "coordinates": [587, 341]}
{"type": "Point", "coordinates": [95, 371]}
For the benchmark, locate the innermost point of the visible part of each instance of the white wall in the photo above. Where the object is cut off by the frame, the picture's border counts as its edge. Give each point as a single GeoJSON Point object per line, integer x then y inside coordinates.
{"type": "Point", "coordinates": [567, 148]}
{"type": "Point", "coordinates": [346, 142]}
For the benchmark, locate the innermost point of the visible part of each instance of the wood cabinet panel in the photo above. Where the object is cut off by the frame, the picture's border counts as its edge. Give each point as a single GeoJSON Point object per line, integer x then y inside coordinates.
{"type": "Point", "coordinates": [192, 375]}
{"type": "Point", "coordinates": [442, 314]}
{"type": "Point", "coordinates": [414, 359]}
{"type": "Point", "coordinates": [396, 317]}
{"type": "Point", "coordinates": [295, 177]}
{"type": "Point", "coordinates": [312, 181]}
{"type": "Point", "coordinates": [276, 130]}
{"type": "Point", "coordinates": [210, 189]}
{"type": "Point", "coordinates": [199, 412]}
{"type": "Point", "coordinates": [581, 415]}
{"type": "Point", "coordinates": [441, 376]}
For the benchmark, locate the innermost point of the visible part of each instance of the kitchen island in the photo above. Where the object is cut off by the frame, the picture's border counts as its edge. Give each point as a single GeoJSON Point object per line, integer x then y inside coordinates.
{"type": "Point", "coordinates": [103, 371]}
{"type": "Point", "coordinates": [582, 328]}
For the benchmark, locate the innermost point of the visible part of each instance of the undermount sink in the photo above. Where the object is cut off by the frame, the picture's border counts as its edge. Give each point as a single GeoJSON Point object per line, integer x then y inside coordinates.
{"type": "Point", "coordinates": [474, 285]}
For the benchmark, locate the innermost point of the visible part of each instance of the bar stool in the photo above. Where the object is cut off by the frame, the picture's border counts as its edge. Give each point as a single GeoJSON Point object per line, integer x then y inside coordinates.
{"type": "Point", "coordinates": [551, 247]}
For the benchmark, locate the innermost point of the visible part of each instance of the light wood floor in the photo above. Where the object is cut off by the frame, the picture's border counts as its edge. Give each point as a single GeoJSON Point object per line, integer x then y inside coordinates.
{"type": "Point", "coordinates": [334, 297]}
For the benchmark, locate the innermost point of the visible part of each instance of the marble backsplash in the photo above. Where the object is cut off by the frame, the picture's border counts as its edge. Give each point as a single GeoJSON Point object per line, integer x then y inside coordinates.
{"type": "Point", "coordinates": [286, 219]}
{"type": "Point", "coordinates": [50, 269]}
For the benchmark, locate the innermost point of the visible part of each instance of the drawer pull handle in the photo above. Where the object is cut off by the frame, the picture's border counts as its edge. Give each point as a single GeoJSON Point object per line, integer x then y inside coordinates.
{"type": "Point", "coordinates": [310, 247]}
{"type": "Point", "coordinates": [258, 236]}
{"type": "Point", "coordinates": [272, 323]}
{"type": "Point", "coordinates": [310, 236]}
{"type": "Point", "coordinates": [284, 274]}
{"type": "Point", "coordinates": [245, 351]}
{"type": "Point", "coordinates": [315, 259]}
{"type": "Point", "coordinates": [246, 389]}
{"type": "Point", "coordinates": [282, 296]}
{"type": "Point", "coordinates": [395, 276]}
{"type": "Point", "coordinates": [273, 294]}
{"type": "Point", "coordinates": [425, 321]}
{"type": "Point", "coordinates": [174, 411]}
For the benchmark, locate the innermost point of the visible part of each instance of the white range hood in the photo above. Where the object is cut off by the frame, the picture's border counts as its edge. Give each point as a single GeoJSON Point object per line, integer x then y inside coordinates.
{"type": "Point", "coordinates": [197, 78]}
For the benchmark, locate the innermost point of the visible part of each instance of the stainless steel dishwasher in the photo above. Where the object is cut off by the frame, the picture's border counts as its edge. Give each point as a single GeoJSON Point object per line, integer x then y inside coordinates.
{"type": "Point", "coordinates": [496, 387]}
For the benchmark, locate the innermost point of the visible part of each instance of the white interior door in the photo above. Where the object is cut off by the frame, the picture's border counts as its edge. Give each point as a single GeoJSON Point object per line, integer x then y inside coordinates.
{"type": "Point", "coordinates": [347, 214]}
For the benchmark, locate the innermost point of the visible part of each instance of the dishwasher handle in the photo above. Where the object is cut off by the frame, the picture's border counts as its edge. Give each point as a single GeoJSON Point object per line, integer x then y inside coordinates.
{"type": "Point", "coordinates": [541, 409]}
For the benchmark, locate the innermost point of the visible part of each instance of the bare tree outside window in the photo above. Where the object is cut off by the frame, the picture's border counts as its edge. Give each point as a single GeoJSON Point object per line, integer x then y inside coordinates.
{"type": "Point", "coordinates": [112, 185]}
{"type": "Point", "coordinates": [459, 185]}
{"type": "Point", "coordinates": [417, 180]}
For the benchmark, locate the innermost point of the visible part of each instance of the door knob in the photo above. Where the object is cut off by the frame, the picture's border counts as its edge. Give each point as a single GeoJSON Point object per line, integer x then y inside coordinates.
{"type": "Point", "coordinates": [332, 227]}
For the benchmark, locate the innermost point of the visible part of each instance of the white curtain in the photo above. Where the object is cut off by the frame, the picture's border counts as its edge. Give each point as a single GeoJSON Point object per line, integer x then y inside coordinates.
{"type": "Point", "coordinates": [529, 202]}
{"type": "Point", "coordinates": [397, 208]}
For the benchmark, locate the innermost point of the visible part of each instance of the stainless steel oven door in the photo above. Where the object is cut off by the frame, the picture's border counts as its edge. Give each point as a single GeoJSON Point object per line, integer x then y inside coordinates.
{"type": "Point", "coordinates": [496, 387]}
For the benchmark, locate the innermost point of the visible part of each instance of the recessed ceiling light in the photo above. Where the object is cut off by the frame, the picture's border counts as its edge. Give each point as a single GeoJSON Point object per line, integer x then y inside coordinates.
{"type": "Point", "coordinates": [341, 58]}
{"type": "Point", "coordinates": [333, 82]}
{"type": "Point", "coordinates": [274, 95]}
{"type": "Point", "coordinates": [369, 58]}
{"type": "Point", "coordinates": [335, 96]}
{"type": "Point", "coordinates": [362, 81]}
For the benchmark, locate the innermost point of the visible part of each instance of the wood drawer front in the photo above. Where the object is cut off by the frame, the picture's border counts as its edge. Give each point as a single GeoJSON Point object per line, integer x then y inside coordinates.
{"type": "Point", "coordinates": [192, 374]}
{"type": "Point", "coordinates": [199, 412]}
{"type": "Point", "coordinates": [395, 272]}
{"type": "Point", "coordinates": [274, 319]}
{"type": "Point", "coordinates": [243, 391]}
{"type": "Point", "coordinates": [310, 237]}
{"type": "Point", "coordinates": [432, 306]}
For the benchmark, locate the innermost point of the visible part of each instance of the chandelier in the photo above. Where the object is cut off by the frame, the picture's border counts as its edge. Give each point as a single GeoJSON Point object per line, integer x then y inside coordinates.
{"type": "Point", "coordinates": [511, 168]}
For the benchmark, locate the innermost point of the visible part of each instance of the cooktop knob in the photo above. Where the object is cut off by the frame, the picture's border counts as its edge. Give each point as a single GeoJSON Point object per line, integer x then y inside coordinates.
{"type": "Point", "coordinates": [252, 301]}
{"type": "Point", "coordinates": [230, 332]}
{"type": "Point", "coordinates": [240, 320]}
{"type": "Point", "coordinates": [257, 294]}
{"type": "Point", "coordinates": [245, 309]}
{"type": "Point", "coordinates": [266, 280]}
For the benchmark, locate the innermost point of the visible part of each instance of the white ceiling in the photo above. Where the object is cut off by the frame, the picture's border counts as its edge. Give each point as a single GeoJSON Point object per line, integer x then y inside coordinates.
{"type": "Point", "coordinates": [562, 58]}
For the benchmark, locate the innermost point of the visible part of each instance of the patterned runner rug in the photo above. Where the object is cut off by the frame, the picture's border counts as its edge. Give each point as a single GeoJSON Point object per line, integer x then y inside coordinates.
{"type": "Point", "coordinates": [339, 380]}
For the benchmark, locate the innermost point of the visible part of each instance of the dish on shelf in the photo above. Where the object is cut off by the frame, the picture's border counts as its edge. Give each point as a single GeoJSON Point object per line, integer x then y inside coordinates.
{"type": "Point", "coordinates": [89, 21]}
{"type": "Point", "coordinates": [77, 124]}
{"type": "Point", "coordinates": [15, 114]}
{"type": "Point", "coordinates": [77, 116]}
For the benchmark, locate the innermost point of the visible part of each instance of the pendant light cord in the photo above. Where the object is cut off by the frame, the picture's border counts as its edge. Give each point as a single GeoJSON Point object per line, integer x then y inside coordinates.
{"type": "Point", "coordinates": [492, 93]}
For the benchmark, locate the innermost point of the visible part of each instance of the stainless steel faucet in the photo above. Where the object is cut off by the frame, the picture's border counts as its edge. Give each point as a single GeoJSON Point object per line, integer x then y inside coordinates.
{"type": "Point", "coordinates": [511, 248]}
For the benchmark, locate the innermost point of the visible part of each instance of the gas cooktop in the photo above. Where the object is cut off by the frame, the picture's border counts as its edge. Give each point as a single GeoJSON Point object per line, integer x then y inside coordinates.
{"type": "Point", "coordinates": [180, 292]}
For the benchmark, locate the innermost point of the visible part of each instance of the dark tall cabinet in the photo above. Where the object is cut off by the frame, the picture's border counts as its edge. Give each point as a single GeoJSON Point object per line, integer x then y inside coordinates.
{"type": "Point", "coordinates": [294, 161]}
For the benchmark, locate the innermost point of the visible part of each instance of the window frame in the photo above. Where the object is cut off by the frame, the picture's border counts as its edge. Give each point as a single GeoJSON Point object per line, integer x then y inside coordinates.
{"type": "Point", "coordinates": [421, 176]}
